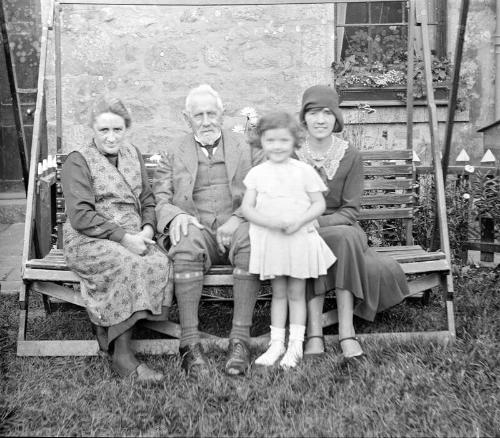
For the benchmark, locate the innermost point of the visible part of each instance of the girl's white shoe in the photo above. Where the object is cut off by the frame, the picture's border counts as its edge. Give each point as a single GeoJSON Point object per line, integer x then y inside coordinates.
{"type": "Point", "coordinates": [294, 351]}
{"type": "Point", "coordinates": [272, 355]}
{"type": "Point", "coordinates": [293, 354]}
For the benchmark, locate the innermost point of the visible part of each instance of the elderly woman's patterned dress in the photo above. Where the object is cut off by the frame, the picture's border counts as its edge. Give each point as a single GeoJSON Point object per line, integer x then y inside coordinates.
{"type": "Point", "coordinates": [117, 283]}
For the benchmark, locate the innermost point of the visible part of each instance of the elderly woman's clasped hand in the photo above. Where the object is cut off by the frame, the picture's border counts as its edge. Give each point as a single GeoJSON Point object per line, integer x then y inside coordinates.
{"type": "Point", "coordinates": [139, 243]}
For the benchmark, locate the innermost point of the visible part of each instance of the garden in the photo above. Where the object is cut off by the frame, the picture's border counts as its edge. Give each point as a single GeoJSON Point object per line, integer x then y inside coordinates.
{"type": "Point", "coordinates": [404, 389]}
{"type": "Point", "coordinates": [399, 388]}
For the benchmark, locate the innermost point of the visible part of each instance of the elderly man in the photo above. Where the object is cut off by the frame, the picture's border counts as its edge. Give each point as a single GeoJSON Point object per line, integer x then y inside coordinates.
{"type": "Point", "coordinates": [199, 187]}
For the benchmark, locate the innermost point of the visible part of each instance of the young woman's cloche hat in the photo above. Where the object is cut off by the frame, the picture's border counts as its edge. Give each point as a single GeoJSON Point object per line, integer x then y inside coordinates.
{"type": "Point", "coordinates": [322, 96]}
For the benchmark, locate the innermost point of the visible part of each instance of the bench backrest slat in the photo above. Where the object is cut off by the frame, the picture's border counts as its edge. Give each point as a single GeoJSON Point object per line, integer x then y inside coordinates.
{"type": "Point", "coordinates": [388, 199]}
{"type": "Point", "coordinates": [389, 181]}
{"type": "Point", "coordinates": [388, 170]}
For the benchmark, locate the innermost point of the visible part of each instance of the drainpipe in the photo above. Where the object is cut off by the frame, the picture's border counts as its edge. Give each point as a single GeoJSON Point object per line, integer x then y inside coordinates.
{"type": "Point", "coordinates": [497, 64]}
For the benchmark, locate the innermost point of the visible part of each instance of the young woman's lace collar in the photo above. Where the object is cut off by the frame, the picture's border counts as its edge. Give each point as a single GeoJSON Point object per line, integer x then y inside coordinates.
{"type": "Point", "coordinates": [329, 161]}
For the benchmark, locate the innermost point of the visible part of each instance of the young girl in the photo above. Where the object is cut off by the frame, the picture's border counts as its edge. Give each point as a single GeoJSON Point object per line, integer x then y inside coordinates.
{"type": "Point", "coordinates": [282, 200]}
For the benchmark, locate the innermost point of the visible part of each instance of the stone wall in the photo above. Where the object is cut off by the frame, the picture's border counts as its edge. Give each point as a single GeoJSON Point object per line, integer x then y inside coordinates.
{"type": "Point", "coordinates": [478, 69]}
{"type": "Point", "coordinates": [385, 128]}
{"type": "Point", "coordinates": [262, 57]}
{"type": "Point", "coordinates": [255, 56]}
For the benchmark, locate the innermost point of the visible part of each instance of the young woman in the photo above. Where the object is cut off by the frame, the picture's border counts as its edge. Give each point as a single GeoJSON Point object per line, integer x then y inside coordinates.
{"type": "Point", "coordinates": [365, 282]}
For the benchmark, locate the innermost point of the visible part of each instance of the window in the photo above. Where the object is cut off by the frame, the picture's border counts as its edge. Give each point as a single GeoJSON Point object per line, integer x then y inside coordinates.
{"type": "Point", "coordinates": [376, 32]}
{"type": "Point", "coordinates": [372, 41]}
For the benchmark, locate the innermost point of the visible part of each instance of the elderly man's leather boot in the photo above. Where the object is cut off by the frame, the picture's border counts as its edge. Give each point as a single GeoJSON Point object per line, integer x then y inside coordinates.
{"type": "Point", "coordinates": [238, 357]}
{"type": "Point", "coordinates": [193, 360]}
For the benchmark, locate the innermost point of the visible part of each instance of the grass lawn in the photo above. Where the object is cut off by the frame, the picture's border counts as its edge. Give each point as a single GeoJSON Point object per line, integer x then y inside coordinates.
{"type": "Point", "coordinates": [399, 390]}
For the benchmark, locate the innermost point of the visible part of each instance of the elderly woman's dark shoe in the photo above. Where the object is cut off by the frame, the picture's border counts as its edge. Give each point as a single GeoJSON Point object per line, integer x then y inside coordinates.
{"type": "Point", "coordinates": [141, 373]}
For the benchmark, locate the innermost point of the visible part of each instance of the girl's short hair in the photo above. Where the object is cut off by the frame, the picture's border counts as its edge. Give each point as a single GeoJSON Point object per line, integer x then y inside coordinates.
{"type": "Point", "coordinates": [277, 120]}
{"type": "Point", "coordinates": [107, 104]}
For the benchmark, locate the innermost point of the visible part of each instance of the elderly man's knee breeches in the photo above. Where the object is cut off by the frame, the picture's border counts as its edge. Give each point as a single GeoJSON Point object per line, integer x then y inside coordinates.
{"type": "Point", "coordinates": [192, 256]}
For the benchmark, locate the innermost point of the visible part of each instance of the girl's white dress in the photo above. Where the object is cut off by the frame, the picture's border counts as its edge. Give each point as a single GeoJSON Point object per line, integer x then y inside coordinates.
{"type": "Point", "coordinates": [282, 191]}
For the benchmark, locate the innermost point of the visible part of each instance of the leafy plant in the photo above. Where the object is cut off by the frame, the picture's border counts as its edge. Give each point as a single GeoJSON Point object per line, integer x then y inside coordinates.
{"type": "Point", "coordinates": [381, 61]}
{"type": "Point", "coordinates": [349, 73]}
{"type": "Point", "coordinates": [467, 198]}
{"type": "Point", "coordinates": [441, 69]}
{"type": "Point", "coordinates": [457, 208]}
{"type": "Point", "coordinates": [384, 233]}
{"type": "Point", "coordinates": [485, 190]}
{"type": "Point", "coordinates": [388, 47]}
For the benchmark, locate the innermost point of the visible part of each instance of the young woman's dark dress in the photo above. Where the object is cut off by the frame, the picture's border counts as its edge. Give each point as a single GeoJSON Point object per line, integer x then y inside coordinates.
{"type": "Point", "coordinates": [376, 281]}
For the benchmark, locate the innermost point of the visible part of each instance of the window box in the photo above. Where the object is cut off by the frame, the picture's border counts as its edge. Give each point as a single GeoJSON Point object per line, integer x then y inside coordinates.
{"type": "Point", "coordinates": [385, 93]}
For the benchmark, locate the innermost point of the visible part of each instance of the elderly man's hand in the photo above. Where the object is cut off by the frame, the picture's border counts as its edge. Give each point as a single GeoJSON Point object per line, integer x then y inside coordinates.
{"type": "Point", "coordinates": [180, 225]}
{"type": "Point", "coordinates": [225, 232]}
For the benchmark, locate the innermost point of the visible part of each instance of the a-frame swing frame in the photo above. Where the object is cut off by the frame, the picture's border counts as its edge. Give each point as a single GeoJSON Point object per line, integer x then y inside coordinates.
{"type": "Point", "coordinates": [26, 347]}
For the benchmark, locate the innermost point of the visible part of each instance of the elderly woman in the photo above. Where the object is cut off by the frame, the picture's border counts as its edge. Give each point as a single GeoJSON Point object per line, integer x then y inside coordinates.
{"type": "Point", "coordinates": [365, 282]}
{"type": "Point", "coordinates": [108, 237]}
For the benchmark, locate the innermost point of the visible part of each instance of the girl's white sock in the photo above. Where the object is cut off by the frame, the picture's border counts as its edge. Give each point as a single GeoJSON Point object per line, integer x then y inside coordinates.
{"type": "Point", "coordinates": [275, 350]}
{"type": "Point", "coordinates": [294, 351]}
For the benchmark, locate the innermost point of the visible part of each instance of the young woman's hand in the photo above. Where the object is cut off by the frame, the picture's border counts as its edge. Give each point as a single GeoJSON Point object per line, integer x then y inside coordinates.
{"type": "Point", "coordinates": [136, 243]}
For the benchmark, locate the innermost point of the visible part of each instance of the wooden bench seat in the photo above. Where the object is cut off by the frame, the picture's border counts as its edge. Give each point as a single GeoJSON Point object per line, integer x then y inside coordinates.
{"type": "Point", "coordinates": [388, 196]}
{"type": "Point", "coordinates": [413, 259]}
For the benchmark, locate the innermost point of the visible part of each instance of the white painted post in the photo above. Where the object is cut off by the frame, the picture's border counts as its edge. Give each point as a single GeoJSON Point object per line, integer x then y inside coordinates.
{"type": "Point", "coordinates": [462, 157]}
{"type": "Point", "coordinates": [487, 223]}
{"type": "Point", "coordinates": [488, 157]}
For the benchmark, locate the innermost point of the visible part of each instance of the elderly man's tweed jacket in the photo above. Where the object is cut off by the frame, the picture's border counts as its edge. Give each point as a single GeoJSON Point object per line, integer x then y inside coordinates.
{"type": "Point", "coordinates": [175, 177]}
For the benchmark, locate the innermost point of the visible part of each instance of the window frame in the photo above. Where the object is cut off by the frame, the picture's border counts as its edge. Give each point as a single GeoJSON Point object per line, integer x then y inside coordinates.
{"type": "Point", "coordinates": [437, 12]}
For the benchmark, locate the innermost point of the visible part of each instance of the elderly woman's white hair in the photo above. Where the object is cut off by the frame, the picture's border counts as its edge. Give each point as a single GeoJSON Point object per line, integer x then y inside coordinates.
{"type": "Point", "coordinates": [203, 89]}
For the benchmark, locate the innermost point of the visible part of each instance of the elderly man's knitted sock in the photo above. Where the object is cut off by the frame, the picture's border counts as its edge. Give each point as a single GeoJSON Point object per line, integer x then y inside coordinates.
{"type": "Point", "coordinates": [275, 350]}
{"type": "Point", "coordinates": [188, 287]}
{"type": "Point", "coordinates": [245, 289]}
{"type": "Point", "coordinates": [294, 351]}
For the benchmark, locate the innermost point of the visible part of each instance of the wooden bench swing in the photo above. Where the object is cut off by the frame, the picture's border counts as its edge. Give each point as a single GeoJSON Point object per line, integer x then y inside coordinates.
{"type": "Point", "coordinates": [388, 194]}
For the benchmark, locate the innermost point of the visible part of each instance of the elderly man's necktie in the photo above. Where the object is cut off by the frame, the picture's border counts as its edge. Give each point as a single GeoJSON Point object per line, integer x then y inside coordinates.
{"type": "Point", "coordinates": [209, 149]}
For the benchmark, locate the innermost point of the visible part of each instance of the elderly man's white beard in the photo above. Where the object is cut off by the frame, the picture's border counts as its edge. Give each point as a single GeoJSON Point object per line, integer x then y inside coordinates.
{"type": "Point", "coordinates": [207, 138]}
